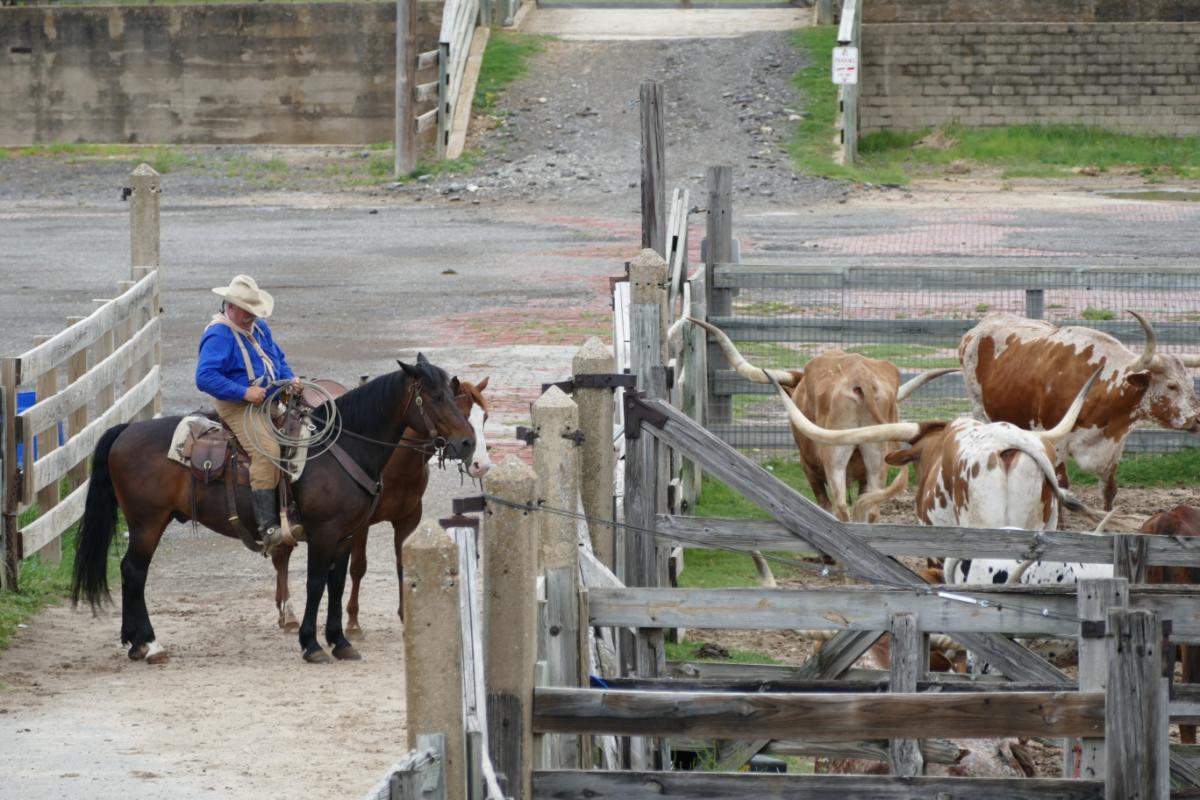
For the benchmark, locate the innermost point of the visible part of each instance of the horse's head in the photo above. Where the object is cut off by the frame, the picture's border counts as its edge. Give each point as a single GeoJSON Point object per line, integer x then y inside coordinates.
{"type": "Point", "coordinates": [474, 407]}
{"type": "Point", "coordinates": [433, 411]}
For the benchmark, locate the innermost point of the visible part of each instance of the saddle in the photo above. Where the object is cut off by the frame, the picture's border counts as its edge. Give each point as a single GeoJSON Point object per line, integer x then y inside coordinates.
{"type": "Point", "coordinates": [213, 453]}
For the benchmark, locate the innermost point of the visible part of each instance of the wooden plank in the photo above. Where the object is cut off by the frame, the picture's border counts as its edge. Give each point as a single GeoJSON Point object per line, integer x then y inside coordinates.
{"type": "Point", "coordinates": [777, 673]}
{"type": "Point", "coordinates": [807, 520]}
{"type": "Point", "coordinates": [54, 466]}
{"type": "Point", "coordinates": [817, 717]}
{"type": "Point", "coordinates": [47, 442]}
{"type": "Point", "coordinates": [561, 635]}
{"type": "Point", "coordinates": [10, 537]}
{"type": "Point", "coordinates": [51, 524]}
{"type": "Point", "coordinates": [48, 411]}
{"type": "Point", "coordinates": [717, 786]}
{"type": "Point", "coordinates": [77, 367]}
{"type": "Point", "coordinates": [427, 120]}
{"type": "Point", "coordinates": [1136, 723]}
{"type": "Point", "coordinates": [427, 60]}
{"type": "Point", "coordinates": [934, 751]}
{"type": "Point", "coordinates": [854, 681]}
{"type": "Point", "coordinates": [924, 540]}
{"type": "Point", "coordinates": [425, 92]}
{"type": "Point", "coordinates": [71, 340]}
{"type": "Point", "coordinates": [420, 767]}
{"type": "Point", "coordinates": [862, 608]}
{"type": "Point", "coordinates": [654, 234]}
{"type": "Point", "coordinates": [909, 652]}
{"type": "Point", "coordinates": [1130, 557]}
{"type": "Point", "coordinates": [1095, 598]}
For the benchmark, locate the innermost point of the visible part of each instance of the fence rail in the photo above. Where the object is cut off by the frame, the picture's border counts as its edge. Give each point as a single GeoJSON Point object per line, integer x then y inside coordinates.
{"type": "Point", "coordinates": [101, 370]}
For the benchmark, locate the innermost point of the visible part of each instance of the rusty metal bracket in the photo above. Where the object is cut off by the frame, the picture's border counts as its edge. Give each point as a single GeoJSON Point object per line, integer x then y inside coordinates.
{"type": "Point", "coordinates": [637, 412]}
{"type": "Point", "coordinates": [527, 434]}
{"type": "Point", "coordinates": [595, 380]}
{"type": "Point", "coordinates": [575, 436]}
{"type": "Point", "coordinates": [1092, 629]}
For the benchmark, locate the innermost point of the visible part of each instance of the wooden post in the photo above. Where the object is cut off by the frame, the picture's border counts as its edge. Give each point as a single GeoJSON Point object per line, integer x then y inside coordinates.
{"type": "Point", "coordinates": [77, 366]}
{"type": "Point", "coordinates": [1130, 553]}
{"type": "Point", "coordinates": [823, 12]}
{"type": "Point", "coordinates": [556, 463]}
{"type": "Point", "coordinates": [510, 538]}
{"type": "Point", "coordinates": [718, 409]}
{"type": "Point", "coordinates": [1135, 713]}
{"type": "Point", "coordinates": [1084, 758]}
{"type": "Point", "coordinates": [10, 493]}
{"type": "Point", "coordinates": [910, 662]}
{"type": "Point", "coordinates": [144, 218]}
{"type": "Point", "coordinates": [406, 85]}
{"type": "Point", "coordinates": [47, 442]}
{"type": "Point", "coordinates": [1035, 303]}
{"type": "Point", "coordinates": [102, 349]}
{"type": "Point", "coordinates": [653, 169]}
{"type": "Point", "coordinates": [464, 531]}
{"type": "Point", "coordinates": [125, 331]}
{"type": "Point", "coordinates": [139, 319]}
{"type": "Point", "coordinates": [695, 390]}
{"type": "Point", "coordinates": [433, 648]}
{"type": "Point", "coordinates": [596, 455]}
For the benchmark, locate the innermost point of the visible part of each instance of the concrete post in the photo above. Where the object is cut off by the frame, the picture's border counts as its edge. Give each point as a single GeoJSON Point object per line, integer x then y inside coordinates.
{"type": "Point", "coordinates": [510, 539]}
{"type": "Point", "coordinates": [596, 457]}
{"type": "Point", "coordinates": [143, 217]}
{"type": "Point", "coordinates": [433, 648]}
{"type": "Point", "coordinates": [556, 462]}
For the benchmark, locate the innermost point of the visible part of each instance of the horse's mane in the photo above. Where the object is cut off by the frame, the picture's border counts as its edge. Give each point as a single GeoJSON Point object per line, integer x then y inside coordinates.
{"type": "Point", "coordinates": [363, 408]}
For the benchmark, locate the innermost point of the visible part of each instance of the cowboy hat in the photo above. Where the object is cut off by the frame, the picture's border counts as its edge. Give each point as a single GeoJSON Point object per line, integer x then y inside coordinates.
{"type": "Point", "coordinates": [244, 293]}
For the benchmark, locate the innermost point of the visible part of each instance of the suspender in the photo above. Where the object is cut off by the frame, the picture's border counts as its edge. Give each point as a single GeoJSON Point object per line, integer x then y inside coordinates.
{"type": "Point", "coordinates": [238, 336]}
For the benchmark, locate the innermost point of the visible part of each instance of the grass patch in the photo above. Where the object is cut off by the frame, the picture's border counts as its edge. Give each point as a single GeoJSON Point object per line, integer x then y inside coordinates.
{"type": "Point", "coordinates": [505, 59]}
{"type": "Point", "coordinates": [1098, 313]}
{"type": "Point", "coordinates": [1021, 151]}
{"type": "Point", "coordinates": [686, 651]}
{"type": "Point", "coordinates": [1165, 469]}
{"type": "Point", "coordinates": [44, 583]}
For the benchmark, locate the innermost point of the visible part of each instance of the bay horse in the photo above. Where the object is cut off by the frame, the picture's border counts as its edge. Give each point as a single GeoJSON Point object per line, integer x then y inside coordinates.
{"type": "Point", "coordinates": [404, 480]}
{"type": "Point", "coordinates": [131, 471]}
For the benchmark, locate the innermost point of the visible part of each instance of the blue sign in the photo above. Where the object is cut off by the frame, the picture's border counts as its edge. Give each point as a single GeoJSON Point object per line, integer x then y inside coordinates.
{"type": "Point", "coordinates": [24, 401]}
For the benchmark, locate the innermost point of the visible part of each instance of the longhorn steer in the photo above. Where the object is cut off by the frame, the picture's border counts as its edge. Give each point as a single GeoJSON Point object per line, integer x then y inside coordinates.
{"type": "Point", "coordinates": [1026, 371]}
{"type": "Point", "coordinates": [970, 473]}
{"type": "Point", "coordinates": [839, 390]}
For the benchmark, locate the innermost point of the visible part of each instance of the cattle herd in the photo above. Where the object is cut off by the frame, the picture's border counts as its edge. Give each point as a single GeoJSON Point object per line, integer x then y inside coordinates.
{"type": "Point", "coordinates": [1039, 394]}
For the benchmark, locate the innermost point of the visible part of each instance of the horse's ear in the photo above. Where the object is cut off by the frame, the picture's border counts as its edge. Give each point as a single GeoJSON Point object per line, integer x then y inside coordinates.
{"type": "Point", "coordinates": [482, 384]}
{"type": "Point", "coordinates": [409, 370]}
{"type": "Point", "coordinates": [422, 361]}
{"type": "Point", "coordinates": [455, 385]}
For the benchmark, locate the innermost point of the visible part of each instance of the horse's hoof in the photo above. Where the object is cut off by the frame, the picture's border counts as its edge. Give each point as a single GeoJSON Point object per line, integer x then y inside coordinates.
{"type": "Point", "coordinates": [139, 652]}
{"type": "Point", "coordinates": [355, 632]}
{"type": "Point", "coordinates": [290, 626]}
{"type": "Point", "coordinates": [318, 656]}
{"type": "Point", "coordinates": [157, 654]}
{"type": "Point", "coordinates": [346, 653]}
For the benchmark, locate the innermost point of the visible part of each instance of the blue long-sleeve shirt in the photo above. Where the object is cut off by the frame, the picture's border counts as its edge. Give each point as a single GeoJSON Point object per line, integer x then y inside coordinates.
{"type": "Point", "coordinates": [221, 370]}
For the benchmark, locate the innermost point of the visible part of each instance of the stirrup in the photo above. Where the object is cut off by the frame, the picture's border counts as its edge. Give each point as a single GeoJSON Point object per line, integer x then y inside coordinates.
{"type": "Point", "coordinates": [272, 538]}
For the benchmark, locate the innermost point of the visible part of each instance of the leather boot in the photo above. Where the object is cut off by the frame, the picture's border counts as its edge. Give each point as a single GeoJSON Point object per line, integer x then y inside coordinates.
{"type": "Point", "coordinates": [266, 514]}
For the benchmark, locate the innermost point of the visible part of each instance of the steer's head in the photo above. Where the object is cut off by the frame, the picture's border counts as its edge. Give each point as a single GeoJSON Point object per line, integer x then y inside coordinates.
{"type": "Point", "coordinates": [1166, 388]}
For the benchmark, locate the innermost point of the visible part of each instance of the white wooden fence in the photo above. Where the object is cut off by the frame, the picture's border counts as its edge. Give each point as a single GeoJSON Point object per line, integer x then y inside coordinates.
{"type": "Point", "coordinates": [102, 370]}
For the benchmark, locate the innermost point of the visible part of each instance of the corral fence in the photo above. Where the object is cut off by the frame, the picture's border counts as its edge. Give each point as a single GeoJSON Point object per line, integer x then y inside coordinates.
{"type": "Point", "coordinates": [434, 89]}
{"type": "Point", "coordinates": [581, 701]}
{"type": "Point", "coordinates": [781, 315]}
{"type": "Point", "coordinates": [101, 370]}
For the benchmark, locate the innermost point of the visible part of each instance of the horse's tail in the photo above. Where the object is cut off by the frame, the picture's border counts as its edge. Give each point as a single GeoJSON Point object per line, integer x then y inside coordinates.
{"type": "Point", "coordinates": [98, 527]}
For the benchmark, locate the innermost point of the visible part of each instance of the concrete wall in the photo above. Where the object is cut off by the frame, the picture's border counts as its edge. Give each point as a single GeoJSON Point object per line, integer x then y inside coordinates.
{"type": "Point", "coordinates": [289, 74]}
{"type": "Point", "coordinates": [900, 11]}
{"type": "Point", "coordinates": [1132, 77]}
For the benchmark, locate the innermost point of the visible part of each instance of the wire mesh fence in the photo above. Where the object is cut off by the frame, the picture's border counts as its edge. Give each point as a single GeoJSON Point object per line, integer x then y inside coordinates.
{"type": "Point", "coordinates": [914, 317]}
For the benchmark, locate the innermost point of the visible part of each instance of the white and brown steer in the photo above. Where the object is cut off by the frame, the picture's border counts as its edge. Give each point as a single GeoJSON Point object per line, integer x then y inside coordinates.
{"type": "Point", "coordinates": [970, 473]}
{"type": "Point", "coordinates": [839, 390]}
{"type": "Point", "coordinates": [1026, 371]}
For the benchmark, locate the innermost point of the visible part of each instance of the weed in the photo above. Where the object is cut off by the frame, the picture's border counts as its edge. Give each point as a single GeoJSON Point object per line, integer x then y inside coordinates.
{"type": "Point", "coordinates": [1098, 313]}
{"type": "Point", "coordinates": [982, 308]}
{"type": "Point", "coordinates": [504, 60]}
{"type": "Point", "coordinates": [686, 651]}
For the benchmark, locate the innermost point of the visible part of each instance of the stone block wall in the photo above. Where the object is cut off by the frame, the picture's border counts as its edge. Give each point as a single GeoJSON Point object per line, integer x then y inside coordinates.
{"type": "Point", "coordinates": [900, 11]}
{"type": "Point", "coordinates": [319, 73]}
{"type": "Point", "coordinates": [1131, 77]}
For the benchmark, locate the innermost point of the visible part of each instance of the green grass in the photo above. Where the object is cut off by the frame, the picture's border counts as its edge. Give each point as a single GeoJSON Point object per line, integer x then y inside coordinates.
{"type": "Point", "coordinates": [1098, 313]}
{"type": "Point", "coordinates": [1147, 471]}
{"type": "Point", "coordinates": [686, 651]}
{"type": "Point", "coordinates": [504, 60]}
{"type": "Point", "coordinates": [1037, 151]}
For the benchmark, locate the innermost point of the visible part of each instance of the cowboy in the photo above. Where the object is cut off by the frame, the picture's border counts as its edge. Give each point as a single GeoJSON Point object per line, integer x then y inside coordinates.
{"type": "Point", "coordinates": [238, 361]}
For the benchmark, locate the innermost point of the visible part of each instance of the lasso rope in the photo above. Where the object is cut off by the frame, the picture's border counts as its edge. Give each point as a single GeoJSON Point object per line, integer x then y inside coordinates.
{"type": "Point", "coordinates": [317, 439]}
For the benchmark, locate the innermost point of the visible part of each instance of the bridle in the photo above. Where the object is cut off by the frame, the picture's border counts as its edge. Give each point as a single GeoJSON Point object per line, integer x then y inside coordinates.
{"type": "Point", "coordinates": [435, 445]}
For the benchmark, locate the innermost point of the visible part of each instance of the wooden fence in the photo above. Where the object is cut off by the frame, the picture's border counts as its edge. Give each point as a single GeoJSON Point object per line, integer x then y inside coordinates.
{"type": "Point", "coordinates": [102, 370]}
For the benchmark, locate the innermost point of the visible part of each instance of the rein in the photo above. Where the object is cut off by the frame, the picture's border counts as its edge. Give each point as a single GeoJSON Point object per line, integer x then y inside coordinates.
{"type": "Point", "coordinates": [414, 396]}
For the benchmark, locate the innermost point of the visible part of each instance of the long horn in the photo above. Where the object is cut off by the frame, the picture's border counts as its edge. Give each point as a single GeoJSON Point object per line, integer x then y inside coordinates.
{"type": "Point", "coordinates": [922, 379]}
{"type": "Point", "coordinates": [1147, 356]}
{"type": "Point", "coordinates": [739, 363]}
{"type": "Point", "coordinates": [891, 432]}
{"type": "Point", "coordinates": [1067, 423]}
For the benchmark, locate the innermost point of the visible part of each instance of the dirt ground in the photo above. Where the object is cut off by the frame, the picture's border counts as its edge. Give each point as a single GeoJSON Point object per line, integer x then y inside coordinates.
{"type": "Point", "coordinates": [507, 279]}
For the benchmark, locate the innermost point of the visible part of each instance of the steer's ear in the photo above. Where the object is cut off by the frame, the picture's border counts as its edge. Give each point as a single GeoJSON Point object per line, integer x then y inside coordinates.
{"type": "Point", "coordinates": [1138, 380]}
